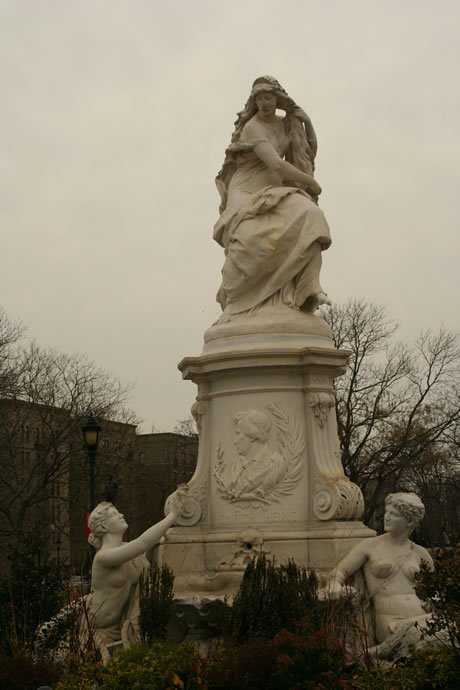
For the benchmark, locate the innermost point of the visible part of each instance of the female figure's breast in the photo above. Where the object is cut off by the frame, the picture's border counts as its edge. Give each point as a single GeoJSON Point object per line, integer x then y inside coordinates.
{"type": "Point", "coordinates": [390, 584]}
{"type": "Point", "coordinates": [111, 592]}
{"type": "Point", "coordinates": [410, 569]}
{"type": "Point", "coordinates": [381, 568]}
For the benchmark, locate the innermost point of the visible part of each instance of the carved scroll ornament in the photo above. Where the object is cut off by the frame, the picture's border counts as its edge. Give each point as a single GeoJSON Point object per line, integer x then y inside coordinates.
{"type": "Point", "coordinates": [337, 498]}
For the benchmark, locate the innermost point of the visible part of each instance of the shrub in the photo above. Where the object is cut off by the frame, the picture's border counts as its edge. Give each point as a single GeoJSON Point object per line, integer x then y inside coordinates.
{"type": "Point", "coordinates": [69, 635]}
{"type": "Point", "coordinates": [156, 597]}
{"type": "Point", "coordinates": [426, 669]}
{"type": "Point", "coordinates": [277, 641]}
{"type": "Point", "coordinates": [22, 672]}
{"type": "Point", "coordinates": [441, 588]}
{"type": "Point", "coordinates": [308, 660]}
{"type": "Point", "coordinates": [290, 661]}
{"type": "Point", "coordinates": [162, 666]}
{"type": "Point", "coordinates": [271, 598]}
{"type": "Point", "coordinates": [31, 593]}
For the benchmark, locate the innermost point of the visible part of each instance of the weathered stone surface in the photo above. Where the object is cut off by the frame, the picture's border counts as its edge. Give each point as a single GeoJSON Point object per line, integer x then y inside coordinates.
{"type": "Point", "coordinates": [269, 457]}
{"type": "Point", "coordinates": [389, 564]}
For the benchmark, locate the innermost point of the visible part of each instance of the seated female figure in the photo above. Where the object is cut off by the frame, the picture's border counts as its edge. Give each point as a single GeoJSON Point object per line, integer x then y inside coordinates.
{"type": "Point", "coordinates": [389, 563]}
{"type": "Point", "coordinates": [270, 225]}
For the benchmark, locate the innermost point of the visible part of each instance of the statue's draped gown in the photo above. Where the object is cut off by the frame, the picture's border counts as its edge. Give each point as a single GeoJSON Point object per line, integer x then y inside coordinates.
{"type": "Point", "coordinates": [273, 235]}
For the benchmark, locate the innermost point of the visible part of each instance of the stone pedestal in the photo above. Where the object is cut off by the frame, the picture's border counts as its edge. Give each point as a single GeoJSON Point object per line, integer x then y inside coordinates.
{"type": "Point", "coordinates": [285, 492]}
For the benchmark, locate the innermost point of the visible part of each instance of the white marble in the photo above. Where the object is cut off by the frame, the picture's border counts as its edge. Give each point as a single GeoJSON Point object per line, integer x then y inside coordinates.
{"type": "Point", "coordinates": [113, 604]}
{"type": "Point", "coordinates": [270, 226]}
{"type": "Point", "coordinates": [107, 619]}
{"type": "Point", "coordinates": [257, 473]}
{"type": "Point", "coordinates": [269, 456]}
{"type": "Point", "coordinates": [389, 563]}
{"type": "Point", "coordinates": [283, 477]}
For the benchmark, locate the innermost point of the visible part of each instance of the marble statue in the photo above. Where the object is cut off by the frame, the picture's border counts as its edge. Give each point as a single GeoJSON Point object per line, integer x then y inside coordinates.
{"type": "Point", "coordinates": [270, 226]}
{"type": "Point", "coordinates": [114, 599]}
{"type": "Point", "coordinates": [269, 454]}
{"type": "Point", "coordinates": [389, 563]}
{"type": "Point", "coordinates": [108, 617]}
{"type": "Point", "coordinates": [257, 469]}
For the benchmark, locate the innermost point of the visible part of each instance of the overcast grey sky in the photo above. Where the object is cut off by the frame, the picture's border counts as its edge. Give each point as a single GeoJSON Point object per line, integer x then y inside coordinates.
{"type": "Point", "coordinates": [114, 120]}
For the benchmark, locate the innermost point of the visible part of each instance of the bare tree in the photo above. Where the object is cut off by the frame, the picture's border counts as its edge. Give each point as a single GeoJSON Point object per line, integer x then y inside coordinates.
{"type": "Point", "coordinates": [186, 427]}
{"type": "Point", "coordinates": [45, 395]}
{"type": "Point", "coordinates": [11, 333]}
{"type": "Point", "coordinates": [396, 404]}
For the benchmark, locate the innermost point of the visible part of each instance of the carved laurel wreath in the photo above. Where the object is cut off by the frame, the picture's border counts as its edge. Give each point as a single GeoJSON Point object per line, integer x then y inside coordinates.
{"type": "Point", "coordinates": [291, 447]}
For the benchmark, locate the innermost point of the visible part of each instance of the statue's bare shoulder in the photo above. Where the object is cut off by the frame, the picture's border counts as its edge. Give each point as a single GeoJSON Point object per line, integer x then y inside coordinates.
{"type": "Point", "coordinates": [253, 130]}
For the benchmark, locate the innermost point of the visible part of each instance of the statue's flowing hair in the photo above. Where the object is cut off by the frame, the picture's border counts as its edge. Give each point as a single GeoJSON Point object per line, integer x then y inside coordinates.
{"type": "Point", "coordinates": [301, 152]}
{"type": "Point", "coordinates": [96, 523]}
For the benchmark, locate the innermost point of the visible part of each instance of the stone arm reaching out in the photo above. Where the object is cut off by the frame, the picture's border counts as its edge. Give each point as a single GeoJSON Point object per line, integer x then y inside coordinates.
{"type": "Point", "coordinates": [114, 552]}
{"type": "Point", "coordinates": [110, 557]}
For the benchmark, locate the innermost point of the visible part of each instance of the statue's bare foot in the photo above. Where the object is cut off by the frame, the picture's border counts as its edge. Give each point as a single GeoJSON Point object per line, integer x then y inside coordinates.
{"type": "Point", "coordinates": [322, 298]}
{"type": "Point", "coordinates": [315, 301]}
{"type": "Point", "coordinates": [223, 318]}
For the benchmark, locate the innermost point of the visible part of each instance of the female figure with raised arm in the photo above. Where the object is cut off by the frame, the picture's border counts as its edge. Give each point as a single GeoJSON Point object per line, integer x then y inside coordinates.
{"type": "Point", "coordinates": [270, 226]}
{"type": "Point", "coordinates": [117, 565]}
{"type": "Point", "coordinates": [389, 563]}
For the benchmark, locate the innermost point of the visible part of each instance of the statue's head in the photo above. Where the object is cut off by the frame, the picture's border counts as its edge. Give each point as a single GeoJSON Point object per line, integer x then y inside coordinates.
{"type": "Point", "coordinates": [104, 518]}
{"type": "Point", "coordinates": [408, 505]}
{"type": "Point", "coordinates": [267, 84]}
{"type": "Point", "coordinates": [253, 424]}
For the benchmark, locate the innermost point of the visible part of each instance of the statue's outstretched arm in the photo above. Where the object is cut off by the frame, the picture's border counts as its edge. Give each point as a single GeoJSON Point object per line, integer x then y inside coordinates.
{"type": "Point", "coordinates": [117, 555]}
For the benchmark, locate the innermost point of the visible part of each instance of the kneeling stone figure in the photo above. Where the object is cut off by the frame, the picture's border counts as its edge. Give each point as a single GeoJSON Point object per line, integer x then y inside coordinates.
{"type": "Point", "coordinates": [109, 615]}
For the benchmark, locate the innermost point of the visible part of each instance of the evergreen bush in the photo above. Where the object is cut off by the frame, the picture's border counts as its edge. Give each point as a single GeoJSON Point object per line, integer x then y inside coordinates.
{"type": "Point", "coordinates": [31, 593]}
{"type": "Point", "coordinates": [441, 589]}
{"type": "Point", "coordinates": [272, 598]}
{"type": "Point", "coordinates": [156, 597]}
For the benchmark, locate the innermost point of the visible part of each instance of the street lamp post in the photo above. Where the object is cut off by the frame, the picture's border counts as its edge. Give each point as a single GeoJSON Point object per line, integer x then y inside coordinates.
{"type": "Point", "coordinates": [91, 430]}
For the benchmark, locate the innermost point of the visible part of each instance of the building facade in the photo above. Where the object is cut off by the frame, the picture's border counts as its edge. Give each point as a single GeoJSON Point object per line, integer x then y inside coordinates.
{"type": "Point", "coordinates": [44, 478]}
